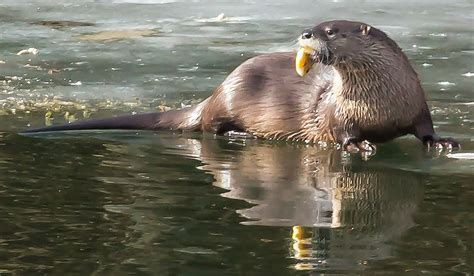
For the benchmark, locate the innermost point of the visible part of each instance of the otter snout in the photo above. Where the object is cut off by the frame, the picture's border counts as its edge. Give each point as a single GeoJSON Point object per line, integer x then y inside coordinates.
{"type": "Point", "coordinates": [311, 50]}
{"type": "Point", "coordinates": [307, 34]}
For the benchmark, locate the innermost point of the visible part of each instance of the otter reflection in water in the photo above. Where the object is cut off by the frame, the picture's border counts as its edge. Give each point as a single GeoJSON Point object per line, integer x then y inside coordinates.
{"type": "Point", "coordinates": [353, 206]}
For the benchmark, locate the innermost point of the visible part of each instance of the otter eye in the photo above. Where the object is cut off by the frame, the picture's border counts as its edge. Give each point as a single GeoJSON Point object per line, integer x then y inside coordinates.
{"type": "Point", "coordinates": [330, 32]}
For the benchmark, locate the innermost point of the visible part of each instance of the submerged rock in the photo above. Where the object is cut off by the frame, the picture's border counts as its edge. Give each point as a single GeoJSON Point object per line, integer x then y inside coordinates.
{"type": "Point", "coordinates": [60, 24]}
{"type": "Point", "coordinates": [110, 36]}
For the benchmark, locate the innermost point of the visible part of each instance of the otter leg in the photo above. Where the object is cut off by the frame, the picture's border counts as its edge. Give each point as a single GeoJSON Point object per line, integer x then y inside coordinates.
{"type": "Point", "coordinates": [425, 133]}
{"type": "Point", "coordinates": [227, 127]}
{"type": "Point", "coordinates": [349, 135]}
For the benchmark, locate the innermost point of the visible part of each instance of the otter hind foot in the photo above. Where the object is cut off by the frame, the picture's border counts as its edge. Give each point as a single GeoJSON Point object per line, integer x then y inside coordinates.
{"type": "Point", "coordinates": [241, 135]}
{"type": "Point", "coordinates": [440, 144]}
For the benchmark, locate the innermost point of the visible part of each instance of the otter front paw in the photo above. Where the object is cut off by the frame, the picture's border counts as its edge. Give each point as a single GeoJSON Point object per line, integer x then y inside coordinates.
{"type": "Point", "coordinates": [440, 144]}
{"type": "Point", "coordinates": [354, 145]}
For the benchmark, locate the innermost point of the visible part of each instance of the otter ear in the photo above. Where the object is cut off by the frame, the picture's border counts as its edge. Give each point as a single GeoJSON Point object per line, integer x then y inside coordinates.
{"type": "Point", "coordinates": [365, 29]}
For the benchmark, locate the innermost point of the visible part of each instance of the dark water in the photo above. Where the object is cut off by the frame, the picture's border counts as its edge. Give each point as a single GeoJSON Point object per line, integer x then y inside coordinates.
{"type": "Point", "coordinates": [117, 203]}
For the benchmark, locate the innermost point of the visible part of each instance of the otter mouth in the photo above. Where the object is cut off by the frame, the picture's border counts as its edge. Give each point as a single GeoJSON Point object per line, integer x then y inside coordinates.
{"type": "Point", "coordinates": [309, 53]}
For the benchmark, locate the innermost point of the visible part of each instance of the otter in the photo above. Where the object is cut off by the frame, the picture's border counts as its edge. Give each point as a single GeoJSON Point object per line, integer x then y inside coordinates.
{"type": "Point", "coordinates": [352, 85]}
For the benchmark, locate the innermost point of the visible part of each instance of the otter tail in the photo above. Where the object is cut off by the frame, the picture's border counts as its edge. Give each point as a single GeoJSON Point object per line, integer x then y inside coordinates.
{"type": "Point", "coordinates": [188, 118]}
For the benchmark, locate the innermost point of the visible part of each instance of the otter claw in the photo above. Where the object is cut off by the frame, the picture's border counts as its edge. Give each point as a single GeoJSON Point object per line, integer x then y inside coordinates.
{"type": "Point", "coordinates": [354, 146]}
{"type": "Point", "coordinates": [440, 144]}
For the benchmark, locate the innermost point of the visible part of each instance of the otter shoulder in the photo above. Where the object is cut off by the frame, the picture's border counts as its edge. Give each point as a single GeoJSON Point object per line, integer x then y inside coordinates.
{"type": "Point", "coordinates": [282, 60]}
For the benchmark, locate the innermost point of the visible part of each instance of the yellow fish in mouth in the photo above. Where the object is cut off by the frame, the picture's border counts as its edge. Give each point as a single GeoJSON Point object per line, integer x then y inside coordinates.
{"type": "Point", "coordinates": [303, 61]}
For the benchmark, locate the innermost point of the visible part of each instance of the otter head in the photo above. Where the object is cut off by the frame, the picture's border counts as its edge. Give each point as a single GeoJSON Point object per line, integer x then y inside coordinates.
{"type": "Point", "coordinates": [342, 43]}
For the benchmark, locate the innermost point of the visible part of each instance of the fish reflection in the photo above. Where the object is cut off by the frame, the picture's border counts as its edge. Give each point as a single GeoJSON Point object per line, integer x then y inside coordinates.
{"type": "Point", "coordinates": [339, 208]}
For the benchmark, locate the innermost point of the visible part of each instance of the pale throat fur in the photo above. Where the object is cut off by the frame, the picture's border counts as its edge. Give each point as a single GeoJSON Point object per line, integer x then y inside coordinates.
{"type": "Point", "coordinates": [367, 97]}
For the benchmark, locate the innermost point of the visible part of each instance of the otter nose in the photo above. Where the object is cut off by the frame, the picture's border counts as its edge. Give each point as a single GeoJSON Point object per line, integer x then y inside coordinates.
{"type": "Point", "coordinates": [307, 34]}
